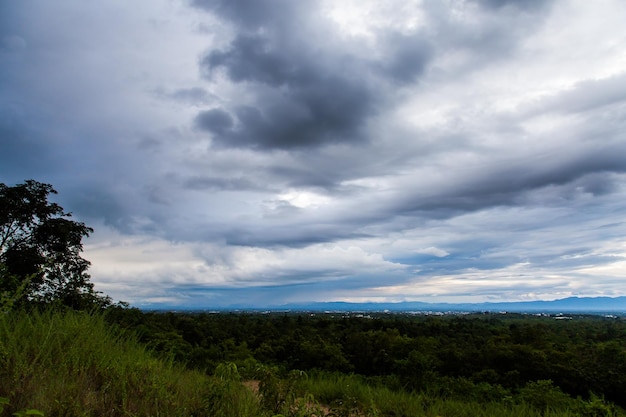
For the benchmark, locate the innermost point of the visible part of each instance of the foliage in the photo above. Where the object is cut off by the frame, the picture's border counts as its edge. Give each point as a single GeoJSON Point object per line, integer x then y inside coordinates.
{"type": "Point", "coordinates": [279, 394]}
{"type": "Point", "coordinates": [40, 249]}
{"type": "Point", "coordinates": [28, 412]}
{"type": "Point", "coordinates": [483, 357]}
{"type": "Point", "coordinates": [543, 395]}
{"type": "Point", "coordinates": [228, 397]}
{"type": "Point", "coordinates": [9, 299]}
{"type": "Point", "coordinates": [76, 364]}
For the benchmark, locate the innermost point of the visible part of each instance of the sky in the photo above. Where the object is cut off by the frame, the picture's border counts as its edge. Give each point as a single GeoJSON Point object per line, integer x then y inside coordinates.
{"type": "Point", "coordinates": [263, 152]}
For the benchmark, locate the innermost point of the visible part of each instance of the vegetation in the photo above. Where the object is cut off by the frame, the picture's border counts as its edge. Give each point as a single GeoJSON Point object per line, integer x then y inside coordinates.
{"type": "Point", "coordinates": [40, 249]}
{"type": "Point", "coordinates": [483, 358]}
{"type": "Point", "coordinates": [69, 363]}
{"type": "Point", "coordinates": [66, 351]}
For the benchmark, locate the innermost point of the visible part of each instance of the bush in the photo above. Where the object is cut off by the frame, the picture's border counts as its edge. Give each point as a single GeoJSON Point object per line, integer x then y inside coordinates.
{"type": "Point", "coordinates": [543, 395]}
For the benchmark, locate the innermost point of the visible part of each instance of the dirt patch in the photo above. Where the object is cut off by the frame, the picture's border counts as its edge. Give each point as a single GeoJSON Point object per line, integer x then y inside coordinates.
{"type": "Point", "coordinates": [252, 385]}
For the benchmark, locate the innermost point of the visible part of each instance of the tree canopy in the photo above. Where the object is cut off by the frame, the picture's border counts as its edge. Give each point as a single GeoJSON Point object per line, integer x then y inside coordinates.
{"type": "Point", "coordinates": [40, 248]}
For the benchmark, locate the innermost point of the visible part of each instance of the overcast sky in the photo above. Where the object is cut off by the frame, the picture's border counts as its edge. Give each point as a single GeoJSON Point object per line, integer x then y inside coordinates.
{"type": "Point", "coordinates": [262, 152]}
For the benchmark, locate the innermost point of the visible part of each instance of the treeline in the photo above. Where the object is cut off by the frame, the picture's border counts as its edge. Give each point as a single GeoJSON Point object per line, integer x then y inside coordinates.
{"type": "Point", "coordinates": [486, 357]}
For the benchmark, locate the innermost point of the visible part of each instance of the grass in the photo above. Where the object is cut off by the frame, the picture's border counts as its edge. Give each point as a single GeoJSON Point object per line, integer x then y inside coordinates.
{"type": "Point", "coordinates": [353, 396]}
{"type": "Point", "coordinates": [73, 364]}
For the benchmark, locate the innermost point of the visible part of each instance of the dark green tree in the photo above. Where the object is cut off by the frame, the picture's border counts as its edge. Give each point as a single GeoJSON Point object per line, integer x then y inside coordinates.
{"type": "Point", "coordinates": [40, 248]}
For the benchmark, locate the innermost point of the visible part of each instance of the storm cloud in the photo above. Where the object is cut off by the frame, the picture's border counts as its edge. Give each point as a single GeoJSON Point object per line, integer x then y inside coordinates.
{"type": "Point", "coordinates": [260, 152]}
{"type": "Point", "coordinates": [307, 84]}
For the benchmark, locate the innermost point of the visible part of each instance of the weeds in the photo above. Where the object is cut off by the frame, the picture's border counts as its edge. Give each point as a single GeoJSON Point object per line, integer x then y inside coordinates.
{"type": "Point", "coordinates": [28, 412]}
{"type": "Point", "coordinates": [73, 364]}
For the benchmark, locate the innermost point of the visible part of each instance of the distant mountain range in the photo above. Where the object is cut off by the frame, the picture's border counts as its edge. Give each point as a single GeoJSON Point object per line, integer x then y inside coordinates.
{"type": "Point", "coordinates": [605, 305]}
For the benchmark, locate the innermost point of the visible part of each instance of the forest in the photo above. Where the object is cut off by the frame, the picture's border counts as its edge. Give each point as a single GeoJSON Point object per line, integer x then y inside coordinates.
{"type": "Point", "coordinates": [482, 357]}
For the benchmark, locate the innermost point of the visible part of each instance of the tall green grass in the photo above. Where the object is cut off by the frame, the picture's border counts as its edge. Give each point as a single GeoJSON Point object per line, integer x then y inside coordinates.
{"type": "Point", "coordinates": [353, 396]}
{"type": "Point", "coordinates": [74, 364]}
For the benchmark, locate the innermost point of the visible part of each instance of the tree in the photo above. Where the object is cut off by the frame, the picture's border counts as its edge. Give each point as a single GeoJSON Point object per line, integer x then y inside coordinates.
{"type": "Point", "coordinates": [40, 248]}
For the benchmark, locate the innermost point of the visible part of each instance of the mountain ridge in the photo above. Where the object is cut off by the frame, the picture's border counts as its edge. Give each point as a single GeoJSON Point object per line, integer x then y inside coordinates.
{"type": "Point", "coordinates": [563, 305]}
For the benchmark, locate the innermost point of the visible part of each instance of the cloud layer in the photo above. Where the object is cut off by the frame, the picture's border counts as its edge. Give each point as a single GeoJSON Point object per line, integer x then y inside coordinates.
{"type": "Point", "coordinates": [238, 152]}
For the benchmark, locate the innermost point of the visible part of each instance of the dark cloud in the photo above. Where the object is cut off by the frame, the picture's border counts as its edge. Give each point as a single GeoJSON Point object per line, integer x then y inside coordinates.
{"type": "Point", "coordinates": [255, 14]}
{"type": "Point", "coordinates": [215, 121]}
{"type": "Point", "coordinates": [220, 183]}
{"type": "Point", "coordinates": [586, 95]}
{"type": "Point", "coordinates": [584, 170]}
{"type": "Point", "coordinates": [305, 105]}
{"type": "Point", "coordinates": [308, 89]}
{"type": "Point", "coordinates": [279, 236]}
{"type": "Point", "coordinates": [310, 117]}
{"type": "Point", "coordinates": [259, 59]}
{"type": "Point", "coordinates": [408, 56]}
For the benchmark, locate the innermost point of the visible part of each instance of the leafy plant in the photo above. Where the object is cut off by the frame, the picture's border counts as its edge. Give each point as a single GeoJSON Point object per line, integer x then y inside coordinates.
{"type": "Point", "coordinates": [27, 412]}
{"type": "Point", "coordinates": [281, 396]}
{"type": "Point", "coordinates": [9, 298]}
{"type": "Point", "coordinates": [543, 395]}
{"type": "Point", "coordinates": [40, 248]}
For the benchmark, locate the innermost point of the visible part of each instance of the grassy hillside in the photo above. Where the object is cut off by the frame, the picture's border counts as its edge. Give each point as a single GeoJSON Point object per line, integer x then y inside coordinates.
{"type": "Point", "coordinates": [74, 364]}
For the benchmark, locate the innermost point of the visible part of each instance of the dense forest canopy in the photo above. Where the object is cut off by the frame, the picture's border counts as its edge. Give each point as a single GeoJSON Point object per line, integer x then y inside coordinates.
{"type": "Point", "coordinates": [484, 355]}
